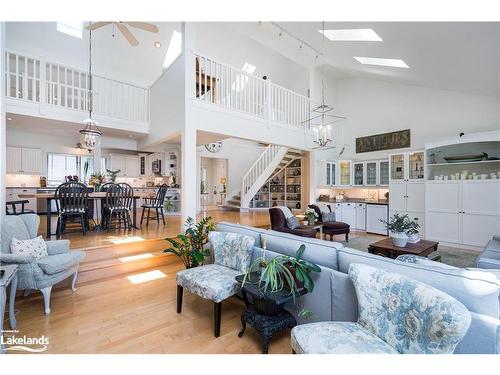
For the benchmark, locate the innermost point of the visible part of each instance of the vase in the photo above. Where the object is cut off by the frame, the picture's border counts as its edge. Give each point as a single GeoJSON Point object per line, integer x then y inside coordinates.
{"type": "Point", "coordinates": [413, 238]}
{"type": "Point", "coordinates": [310, 222]}
{"type": "Point", "coordinates": [399, 239]}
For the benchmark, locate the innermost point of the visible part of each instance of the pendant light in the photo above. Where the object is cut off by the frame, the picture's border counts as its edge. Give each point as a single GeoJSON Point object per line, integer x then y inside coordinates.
{"type": "Point", "coordinates": [90, 135]}
{"type": "Point", "coordinates": [322, 116]}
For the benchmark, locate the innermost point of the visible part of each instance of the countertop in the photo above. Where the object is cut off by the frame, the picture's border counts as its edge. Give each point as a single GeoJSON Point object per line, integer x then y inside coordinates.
{"type": "Point", "coordinates": [360, 200]}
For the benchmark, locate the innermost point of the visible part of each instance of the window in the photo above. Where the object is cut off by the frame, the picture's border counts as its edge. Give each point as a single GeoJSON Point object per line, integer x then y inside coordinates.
{"type": "Point", "coordinates": [71, 28]}
{"type": "Point", "coordinates": [59, 166]}
{"type": "Point", "coordinates": [174, 49]}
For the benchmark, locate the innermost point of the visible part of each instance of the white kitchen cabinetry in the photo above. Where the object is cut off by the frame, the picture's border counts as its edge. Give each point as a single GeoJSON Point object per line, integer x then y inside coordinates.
{"type": "Point", "coordinates": [327, 174]}
{"type": "Point", "coordinates": [360, 216]}
{"type": "Point", "coordinates": [406, 166]}
{"type": "Point", "coordinates": [24, 160]}
{"type": "Point", "coordinates": [408, 197]}
{"type": "Point", "coordinates": [375, 213]}
{"type": "Point", "coordinates": [372, 173]}
{"type": "Point", "coordinates": [344, 168]}
{"type": "Point", "coordinates": [463, 212]}
{"type": "Point", "coordinates": [127, 164]}
{"type": "Point", "coordinates": [359, 174]}
{"type": "Point", "coordinates": [346, 213]}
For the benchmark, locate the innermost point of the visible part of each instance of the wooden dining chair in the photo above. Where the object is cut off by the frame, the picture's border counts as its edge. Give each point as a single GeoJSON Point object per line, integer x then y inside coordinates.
{"type": "Point", "coordinates": [71, 202]}
{"type": "Point", "coordinates": [156, 204]}
{"type": "Point", "coordinates": [118, 203]}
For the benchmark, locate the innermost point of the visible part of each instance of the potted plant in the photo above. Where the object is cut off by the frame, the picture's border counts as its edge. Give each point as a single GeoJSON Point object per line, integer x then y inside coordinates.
{"type": "Point", "coordinates": [412, 231]}
{"type": "Point", "coordinates": [281, 273]}
{"type": "Point", "coordinates": [112, 174]}
{"type": "Point", "coordinates": [398, 225]}
{"type": "Point", "coordinates": [190, 245]}
{"type": "Point", "coordinates": [96, 180]}
{"type": "Point", "coordinates": [311, 216]}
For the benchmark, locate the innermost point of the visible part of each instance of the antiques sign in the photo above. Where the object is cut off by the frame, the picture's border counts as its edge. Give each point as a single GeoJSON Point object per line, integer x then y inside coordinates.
{"type": "Point", "coordinates": [385, 141]}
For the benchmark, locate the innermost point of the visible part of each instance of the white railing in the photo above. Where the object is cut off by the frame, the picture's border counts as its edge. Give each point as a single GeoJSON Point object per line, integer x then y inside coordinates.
{"type": "Point", "coordinates": [260, 171]}
{"type": "Point", "coordinates": [35, 80]}
{"type": "Point", "coordinates": [231, 88]}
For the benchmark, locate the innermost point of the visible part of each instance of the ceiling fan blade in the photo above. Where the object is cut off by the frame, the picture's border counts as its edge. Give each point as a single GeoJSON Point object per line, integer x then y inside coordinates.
{"type": "Point", "coordinates": [127, 34]}
{"type": "Point", "coordinates": [97, 25]}
{"type": "Point", "coordinates": [144, 26]}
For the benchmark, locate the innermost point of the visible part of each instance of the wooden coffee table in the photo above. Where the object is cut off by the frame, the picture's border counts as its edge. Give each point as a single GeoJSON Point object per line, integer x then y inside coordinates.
{"type": "Point", "coordinates": [386, 248]}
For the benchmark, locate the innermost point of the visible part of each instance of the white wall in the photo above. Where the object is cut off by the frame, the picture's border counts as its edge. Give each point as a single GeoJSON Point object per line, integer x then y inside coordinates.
{"type": "Point", "coordinates": [225, 44]}
{"type": "Point", "coordinates": [240, 155]}
{"type": "Point", "coordinates": [374, 107]}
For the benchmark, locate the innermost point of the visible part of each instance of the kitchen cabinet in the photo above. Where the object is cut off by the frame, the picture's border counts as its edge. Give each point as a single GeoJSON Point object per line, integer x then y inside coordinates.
{"type": "Point", "coordinates": [383, 173]}
{"type": "Point", "coordinates": [143, 164]}
{"type": "Point", "coordinates": [360, 216]}
{"type": "Point", "coordinates": [407, 166]}
{"type": "Point", "coordinates": [358, 173]}
{"type": "Point", "coordinates": [327, 174]}
{"type": "Point", "coordinates": [127, 164]}
{"type": "Point", "coordinates": [463, 212]}
{"type": "Point", "coordinates": [346, 213]}
{"type": "Point", "coordinates": [372, 172]}
{"type": "Point", "coordinates": [24, 160]}
{"type": "Point", "coordinates": [408, 197]}
{"type": "Point", "coordinates": [344, 173]}
{"type": "Point", "coordinates": [375, 213]}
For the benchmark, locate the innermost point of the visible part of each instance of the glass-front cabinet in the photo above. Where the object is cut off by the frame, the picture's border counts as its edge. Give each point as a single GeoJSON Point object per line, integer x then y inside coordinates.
{"type": "Point", "coordinates": [384, 173]}
{"type": "Point", "coordinates": [371, 173]}
{"type": "Point", "coordinates": [330, 173]}
{"type": "Point", "coordinates": [407, 166]}
{"type": "Point", "coordinates": [359, 174]}
{"type": "Point", "coordinates": [345, 172]}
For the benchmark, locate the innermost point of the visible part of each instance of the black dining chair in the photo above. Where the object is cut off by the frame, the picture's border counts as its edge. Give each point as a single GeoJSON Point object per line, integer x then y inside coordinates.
{"type": "Point", "coordinates": [17, 207]}
{"type": "Point", "coordinates": [156, 204]}
{"type": "Point", "coordinates": [118, 203]}
{"type": "Point", "coordinates": [72, 203]}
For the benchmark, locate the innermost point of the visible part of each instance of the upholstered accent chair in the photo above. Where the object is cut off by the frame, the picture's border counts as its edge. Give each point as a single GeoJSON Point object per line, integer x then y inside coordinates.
{"type": "Point", "coordinates": [330, 227]}
{"type": "Point", "coordinates": [43, 273]}
{"type": "Point", "coordinates": [216, 282]}
{"type": "Point", "coordinates": [279, 224]}
{"type": "Point", "coordinates": [396, 315]}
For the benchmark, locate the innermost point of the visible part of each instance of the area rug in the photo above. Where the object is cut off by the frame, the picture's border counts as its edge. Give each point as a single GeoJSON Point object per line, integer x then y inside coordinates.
{"type": "Point", "coordinates": [449, 255]}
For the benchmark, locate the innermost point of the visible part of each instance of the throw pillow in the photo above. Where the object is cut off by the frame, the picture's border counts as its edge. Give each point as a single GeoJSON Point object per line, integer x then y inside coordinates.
{"type": "Point", "coordinates": [232, 250]}
{"type": "Point", "coordinates": [292, 222]}
{"type": "Point", "coordinates": [35, 247]}
{"type": "Point", "coordinates": [328, 216]}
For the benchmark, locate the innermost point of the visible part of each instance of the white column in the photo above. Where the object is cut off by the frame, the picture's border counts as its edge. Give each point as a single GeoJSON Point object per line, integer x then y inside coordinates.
{"type": "Point", "coordinates": [312, 177]}
{"type": "Point", "coordinates": [97, 153]}
{"type": "Point", "coordinates": [3, 135]}
{"type": "Point", "coordinates": [189, 173]}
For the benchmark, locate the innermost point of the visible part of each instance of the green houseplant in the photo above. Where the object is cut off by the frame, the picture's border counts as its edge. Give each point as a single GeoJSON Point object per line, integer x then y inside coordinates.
{"type": "Point", "coordinates": [190, 245]}
{"type": "Point", "coordinates": [311, 216]}
{"type": "Point", "coordinates": [97, 179]}
{"type": "Point", "coordinates": [412, 230]}
{"type": "Point", "coordinates": [282, 273]}
{"type": "Point", "coordinates": [398, 225]}
{"type": "Point", "coordinates": [112, 174]}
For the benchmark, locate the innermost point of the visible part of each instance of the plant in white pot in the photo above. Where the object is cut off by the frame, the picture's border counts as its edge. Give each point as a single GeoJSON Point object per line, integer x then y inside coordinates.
{"type": "Point", "coordinates": [398, 226]}
{"type": "Point", "coordinates": [412, 231]}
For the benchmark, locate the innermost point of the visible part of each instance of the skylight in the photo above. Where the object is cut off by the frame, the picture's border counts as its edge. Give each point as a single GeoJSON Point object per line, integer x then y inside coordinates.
{"type": "Point", "coordinates": [71, 28]}
{"type": "Point", "coordinates": [396, 63]}
{"type": "Point", "coordinates": [352, 35]}
{"type": "Point", "coordinates": [174, 49]}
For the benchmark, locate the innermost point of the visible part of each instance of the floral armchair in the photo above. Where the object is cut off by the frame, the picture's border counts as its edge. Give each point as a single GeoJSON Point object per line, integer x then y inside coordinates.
{"type": "Point", "coordinates": [43, 273]}
{"type": "Point", "coordinates": [217, 282]}
{"type": "Point", "coordinates": [396, 315]}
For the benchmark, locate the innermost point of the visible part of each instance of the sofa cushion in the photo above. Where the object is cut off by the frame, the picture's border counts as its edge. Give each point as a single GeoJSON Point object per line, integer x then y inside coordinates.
{"type": "Point", "coordinates": [33, 247]}
{"type": "Point", "coordinates": [411, 316]}
{"type": "Point", "coordinates": [212, 281]}
{"type": "Point", "coordinates": [479, 292]}
{"type": "Point", "coordinates": [337, 338]}
{"type": "Point", "coordinates": [328, 217]}
{"type": "Point", "coordinates": [232, 250]}
{"type": "Point", "coordinates": [12, 226]}
{"type": "Point", "coordinates": [321, 252]}
{"type": "Point", "coordinates": [292, 222]}
{"type": "Point", "coordinates": [53, 264]}
{"type": "Point", "coordinates": [255, 233]}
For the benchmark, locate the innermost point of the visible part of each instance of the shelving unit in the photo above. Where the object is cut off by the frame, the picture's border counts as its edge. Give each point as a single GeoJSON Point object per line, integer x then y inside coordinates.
{"type": "Point", "coordinates": [282, 189]}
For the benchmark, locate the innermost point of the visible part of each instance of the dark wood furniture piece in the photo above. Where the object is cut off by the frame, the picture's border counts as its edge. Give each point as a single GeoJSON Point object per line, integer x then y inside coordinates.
{"type": "Point", "coordinates": [275, 319]}
{"type": "Point", "coordinates": [155, 203]}
{"type": "Point", "coordinates": [278, 223]}
{"type": "Point", "coordinates": [118, 203]}
{"type": "Point", "coordinates": [71, 202]}
{"type": "Point", "coordinates": [332, 228]}
{"type": "Point", "coordinates": [17, 207]}
{"type": "Point", "coordinates": [386, 248]}
{"type": "Point", "coordinates": [49, 197]}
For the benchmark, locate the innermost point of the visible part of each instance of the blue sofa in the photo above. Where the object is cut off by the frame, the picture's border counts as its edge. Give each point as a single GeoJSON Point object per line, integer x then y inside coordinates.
{"type": "Point", "coordinates": [490, 257]}
{"type": "Point", "coordinates": [334, 297]}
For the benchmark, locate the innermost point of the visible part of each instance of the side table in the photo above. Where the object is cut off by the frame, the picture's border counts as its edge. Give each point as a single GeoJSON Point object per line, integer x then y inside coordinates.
{"type": "Point", "coordinates": [9, 277]}
{"type": "Point", "coordinates": [272, 322]}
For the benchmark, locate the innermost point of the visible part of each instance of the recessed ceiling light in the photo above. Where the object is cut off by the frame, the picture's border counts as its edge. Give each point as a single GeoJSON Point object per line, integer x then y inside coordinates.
{"type": "Point", "coordinates": [157, 44]}
{"type": "Point", "coordinates": [396, 63]}
{"type": "Point", "coordinates": [9, 118]}
{"type": "Point", "coordinates": [174, 49]}
{"type": "Point", "coordinates": [352, 35]}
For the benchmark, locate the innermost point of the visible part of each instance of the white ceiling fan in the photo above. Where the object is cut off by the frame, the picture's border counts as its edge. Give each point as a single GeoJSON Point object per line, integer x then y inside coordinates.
{"type": "Point", "coordinates": [123, 27]}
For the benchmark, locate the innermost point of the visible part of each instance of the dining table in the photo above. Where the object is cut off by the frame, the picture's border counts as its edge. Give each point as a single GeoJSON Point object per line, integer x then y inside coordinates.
{"type": "Point", "coordinates": [96, 196]}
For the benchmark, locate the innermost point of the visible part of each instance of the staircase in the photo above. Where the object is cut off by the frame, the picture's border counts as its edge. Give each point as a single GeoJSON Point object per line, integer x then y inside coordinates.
{"type": "Point", "coordinates": [270, 162]}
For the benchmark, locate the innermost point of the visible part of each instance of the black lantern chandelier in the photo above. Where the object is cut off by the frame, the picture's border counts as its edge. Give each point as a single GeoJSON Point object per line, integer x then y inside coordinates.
{"type": "Point", "coordinates": [90, 135]}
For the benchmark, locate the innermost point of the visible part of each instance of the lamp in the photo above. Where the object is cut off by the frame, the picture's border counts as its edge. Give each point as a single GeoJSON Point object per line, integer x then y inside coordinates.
{"type": "Point", "coordinates": [223, 181]}
{"type": "Point", "coordinates": [90, 135]}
